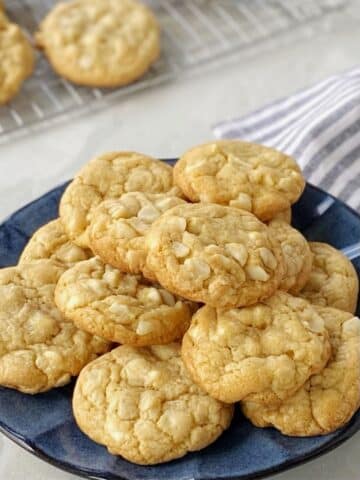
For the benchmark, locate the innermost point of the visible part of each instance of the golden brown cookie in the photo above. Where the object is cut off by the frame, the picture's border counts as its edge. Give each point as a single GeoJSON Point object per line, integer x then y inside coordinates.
{"type": "Point", "coordinates": [330, 398]}
{"type": "Point", "coordinates": [103, 43]}
{"type": "Point", "coordinates": [39, 348]}
{"type": "Point", "coordinates": [214, 254]}
{"type": "Point", "coordinates": [296, 254]}
{"type": "Point", "coordinates": [51, 241]}
{"type": "Point", "coordinates": [120, 307]}
{"type": "Point", "coordinates": [141, 404]}
{"type": "Point", "coordinates": [262, 353]}
{"type": "Point", "coordinates": [333, 280]}
{"type": "Point", "coordinates": [108, 177]}
{"type": "Point", "coordinates": [252, 177]}
{"type": "Point", "coordinates": [118, 228]}
{"type": "Point", "coordinates": [16, 59]}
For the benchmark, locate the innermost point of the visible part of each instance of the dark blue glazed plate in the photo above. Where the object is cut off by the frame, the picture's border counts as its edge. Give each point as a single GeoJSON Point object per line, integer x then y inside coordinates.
{"type": "Point", "coordinates": [43, 424]}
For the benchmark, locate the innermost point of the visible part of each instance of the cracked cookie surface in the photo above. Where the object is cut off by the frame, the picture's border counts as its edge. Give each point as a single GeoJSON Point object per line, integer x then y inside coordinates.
{"type": "Point", "coordinates": [120, 307]}
{"type": "Point", "coordinates": [104, 43]}
{"type": "Point", "coordinates": [251, 177]}
{"type": "Point", "coordinates": [262, 353]}
{"type": "Point", "coordinates": [330, 398]}
{"type": "Point", "coordinates": [141, 404]}
{"type": "Point", "coordinates": [51, 241]}
{"type": "Point", "coordinates": [39, 348]}
{"type": "Point", "coordinates": [117, 231]}
{"type": "Point", "coordinates": [108, 177]}
{"type": "Point", "coordinates": [296, 254]}
{"type": "Point", "coordinates": [333, 280]}
{"type": "Point", "coordinates": [214, 254]}
{"type": "Point", "coordinates": [16, 58]}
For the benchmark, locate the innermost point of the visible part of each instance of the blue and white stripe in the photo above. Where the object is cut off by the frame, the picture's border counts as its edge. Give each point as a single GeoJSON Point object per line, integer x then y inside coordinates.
{"type": "Point", "coordinates": [319, 127]}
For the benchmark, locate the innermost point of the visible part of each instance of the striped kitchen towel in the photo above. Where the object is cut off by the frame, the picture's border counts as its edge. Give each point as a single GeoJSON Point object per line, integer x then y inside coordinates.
{"type": "Point", "coordinates": [319, 127]}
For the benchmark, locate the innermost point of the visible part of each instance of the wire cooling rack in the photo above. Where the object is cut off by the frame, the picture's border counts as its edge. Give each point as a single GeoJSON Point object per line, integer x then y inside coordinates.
{"type": "Point", "coordinates": [195, 33]}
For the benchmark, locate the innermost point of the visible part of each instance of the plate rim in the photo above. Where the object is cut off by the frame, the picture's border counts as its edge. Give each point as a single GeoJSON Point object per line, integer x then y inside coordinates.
{"type": "Point", "coordinates": [29, 446]}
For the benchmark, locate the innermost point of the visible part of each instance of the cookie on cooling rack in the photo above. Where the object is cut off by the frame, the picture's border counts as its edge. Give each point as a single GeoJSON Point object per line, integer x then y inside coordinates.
{"type": "Point", "coordinates": [102, 43]}
{"type": "Point", "coordinates": [16, 59]}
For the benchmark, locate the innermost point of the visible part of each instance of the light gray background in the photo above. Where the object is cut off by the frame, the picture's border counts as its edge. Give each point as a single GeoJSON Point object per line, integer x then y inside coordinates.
{"type": "Point", "coordinates": [164, 122]}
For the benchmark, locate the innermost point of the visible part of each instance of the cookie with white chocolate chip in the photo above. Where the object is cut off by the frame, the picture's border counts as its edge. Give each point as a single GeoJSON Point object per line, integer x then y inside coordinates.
{"type": "Point", "coordinates": [108, 177]}
{"type": "Point", "coordinates": [328, 399]}
{"type": "Point", "coordinates": [142, 404]}
{"type": "Point", "coordinates": [218, 255]}
{"type": "Point", "coordinates": [16, 58]}
{"type": "Point", "coordinates": [39, 348]}
{"type": "Point", "coordinates": [120, 307]}
{"type": "Point", "coordinates": [244, 175]}
{"type": "Point", "coordinates": [51, 241]}
{"type": "Point", "coordinates": [262, 353]}
{"type": "Point", "coordinates": [296, 254]}
{"type": "Point", "coordinates": [103, 43]}
{"type": "Point", "coordinates": [333, 281]}
{"type": "Point", "coordinates": [118, 228]}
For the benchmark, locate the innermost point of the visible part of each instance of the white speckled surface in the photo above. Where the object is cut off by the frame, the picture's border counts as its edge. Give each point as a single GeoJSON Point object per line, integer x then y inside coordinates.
{"type": "Point", "coordinates": [164, 122]}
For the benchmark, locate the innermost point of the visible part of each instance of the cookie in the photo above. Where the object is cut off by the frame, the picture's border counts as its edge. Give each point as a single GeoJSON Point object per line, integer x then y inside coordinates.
{"type": "Point", "coordinates": [284, 216]}
{"type": "Point", "coordinates": [39, 348]}
{"type": "Point", "coordinates": [102, 43]}
{"type": "Point", "coordinates": [51, 241]}
{"type": "Point", "coordinates": [108, 177]}
{"type": "Point", "coordinates": [330, 398]}
{"type": "Point", "coordinates": [262, 353]}
{"type": "Point", "coordinates": [252, 177]}
{"type": "Point", "coordinates": [120, 307]}
{"type": "Point", "coordinates": [16, 59]}
{"type": "Point", "coordinates": [141, 404]}
{"type": "Point", "coordinates": [333, 280]}
{"type": "Point", "coordinates": [118, 228]}
{"type": "Point", "coordinates": [213, 254]}
{"type": "Point", "coordinates": [296, 254]}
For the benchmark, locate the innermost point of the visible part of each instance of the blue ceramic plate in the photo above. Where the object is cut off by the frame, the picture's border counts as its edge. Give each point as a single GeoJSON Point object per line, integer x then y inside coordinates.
{"type": "Point", "coordinates": [43, 424]}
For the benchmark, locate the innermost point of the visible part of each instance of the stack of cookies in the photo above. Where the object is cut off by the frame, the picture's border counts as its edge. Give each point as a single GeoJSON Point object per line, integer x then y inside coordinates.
{"type": "Point", "coordinates": [212, 296]}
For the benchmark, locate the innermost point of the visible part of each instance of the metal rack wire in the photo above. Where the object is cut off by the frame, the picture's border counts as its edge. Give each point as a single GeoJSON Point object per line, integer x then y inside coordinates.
{"type": "Point", "coordinates": [195, 33]}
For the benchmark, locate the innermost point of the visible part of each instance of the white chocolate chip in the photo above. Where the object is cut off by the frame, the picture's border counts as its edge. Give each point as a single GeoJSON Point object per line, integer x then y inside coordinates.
{"type": "Point", "coordinates": [180, 250]}
{"type": "Point", "coordinates": [148, 214]}
{"type": "Point", "coordinates": [144, 327]}
{"type": "Point", "coordinates": [315, 323]}
{"type": "Point", "coordinates": [198, 268]}
{"type": "Point", "coordinates": [268, 258]}
{"type": "Point", "coordinates": [97, 286]}
{"type": "Point", "coordinates": [153, 295]}
{"type": "Point", "coordinates": [178, 223]}
{"type": "Point", "coordinates": [255, 272]}
{"type": "Point", "coordinates": [112, 277]}
{"type": "Point", "coordinates": [117, 210]}
{"type": "Point", "coordinates": [238, 251]}
{"type": "Point", "coordinates": [243, 201]}
{"type": "Point", "coordinates": [167, 297]}
{"type": "Point", "coordinates": [139, 225]}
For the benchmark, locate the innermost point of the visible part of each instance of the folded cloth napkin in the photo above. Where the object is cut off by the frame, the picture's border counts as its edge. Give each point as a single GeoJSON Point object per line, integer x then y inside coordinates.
{"type": "Point", "coordinates": [319, 127]}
